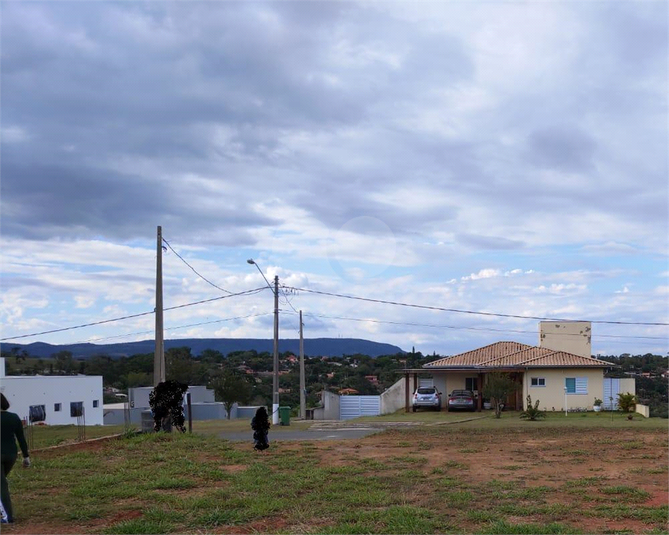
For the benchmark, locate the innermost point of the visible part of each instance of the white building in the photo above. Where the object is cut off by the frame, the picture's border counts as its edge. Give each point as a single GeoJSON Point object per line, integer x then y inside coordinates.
{"type": "Point", "coordinates": [59, 397]}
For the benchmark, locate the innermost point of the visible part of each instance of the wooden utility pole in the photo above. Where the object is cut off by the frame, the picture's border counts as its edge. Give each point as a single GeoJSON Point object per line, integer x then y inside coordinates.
{"type": "Point", "coordinates": [303, 393]}
{"type": "Point", "coordinates": [159, 357]}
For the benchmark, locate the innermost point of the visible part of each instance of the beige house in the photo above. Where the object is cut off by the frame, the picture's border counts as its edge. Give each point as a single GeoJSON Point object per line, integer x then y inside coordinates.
{"type": "Point", "coordinates": [557, 378]}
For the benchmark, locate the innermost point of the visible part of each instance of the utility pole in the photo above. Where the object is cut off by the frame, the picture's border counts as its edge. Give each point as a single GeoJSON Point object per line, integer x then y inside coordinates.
{"type": "Point", "coordinates": [275, 381]}
{"type": "Point", "coordinates": [159, 357]}
{"type": "Point", "coordinates": [303, 393]}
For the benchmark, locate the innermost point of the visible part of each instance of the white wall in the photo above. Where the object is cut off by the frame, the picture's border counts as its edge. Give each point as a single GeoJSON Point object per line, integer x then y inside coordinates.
{"type": "Point", "coordinates": [394, 398]}
{"type": "Point", "coordinates": [330, 408]}
{"type": "Point", "coordinates": [23, 391]}
{"type": "Point", "coordinates": [571, 337]}
{"type": "Point", "coordinates": [139, 397]}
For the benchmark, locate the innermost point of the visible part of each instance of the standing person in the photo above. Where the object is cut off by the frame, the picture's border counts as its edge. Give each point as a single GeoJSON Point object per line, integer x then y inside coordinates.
{"type": "Point", "coordinates": [260, 426]}
{"type": "Point", "coordinates": [11, 430]}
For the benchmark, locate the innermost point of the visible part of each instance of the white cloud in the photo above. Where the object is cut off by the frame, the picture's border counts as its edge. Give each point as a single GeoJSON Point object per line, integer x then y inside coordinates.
{"type": "Point", "coordinates": [487, 273]}
{"type": "Point", "coordinates": [14, 134]}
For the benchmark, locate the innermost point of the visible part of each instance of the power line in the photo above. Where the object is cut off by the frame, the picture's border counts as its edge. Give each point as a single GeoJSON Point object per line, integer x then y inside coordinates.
{"type": "Point", "coordinates": [195, 271]}
{"type": "Point", "coordinates": [94, 340]}
{"type": "Point", "coordinates": [487, 329]}
{"type": "Point", "coordinates": [473, 312]}
{"type": "Point", "coordinates": [247, 292]}
{"type": "Point", "coordinates": [285, 297]}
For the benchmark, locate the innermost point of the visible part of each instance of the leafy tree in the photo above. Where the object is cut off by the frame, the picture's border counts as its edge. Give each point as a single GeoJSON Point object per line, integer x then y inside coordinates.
{"type": "Point", "coordinates": [64, 362]}
{"type": "Point", "coordinates": [498, 387]}
{"type": "Point", "coordinates": [627, 402]}
{"type": "Point", "coordinates": [532, 412]}
{"type": "Point", "coordinates": [231, 387]}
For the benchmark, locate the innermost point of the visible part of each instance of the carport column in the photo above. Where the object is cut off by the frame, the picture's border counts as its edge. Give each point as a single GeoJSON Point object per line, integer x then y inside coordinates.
{"type": "Point", "coordinates": [406, 392]}
{"type": "Point", "coordinates": [415, 382]}
{"type": "Point", "coordinates": [480, 388]}
{"type": "Point", "coordinates": [445, 399]}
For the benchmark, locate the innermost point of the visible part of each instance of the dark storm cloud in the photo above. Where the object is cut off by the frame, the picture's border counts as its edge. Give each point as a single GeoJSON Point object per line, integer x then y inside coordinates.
{"type": "Point", "coordinates": [98, 200]}
{"type": "Point", "coordinates": [121, 101]}
{"type": "Point", "coordinates": [561, 148]}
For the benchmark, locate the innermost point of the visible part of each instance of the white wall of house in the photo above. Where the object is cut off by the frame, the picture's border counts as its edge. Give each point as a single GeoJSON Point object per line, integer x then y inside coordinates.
{"type": "Point", "coordinates": [56, 393]}
{"type": "Point", "coordinates": [568, 336]}
{"type": "Point", "coordinates": [550, 383]}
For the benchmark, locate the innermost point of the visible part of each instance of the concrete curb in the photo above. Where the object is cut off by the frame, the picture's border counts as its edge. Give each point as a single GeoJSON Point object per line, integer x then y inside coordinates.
{"type": "Point", "coordinates": [89, 441]}
{"type": "Point", "coordinates": [458, 421]}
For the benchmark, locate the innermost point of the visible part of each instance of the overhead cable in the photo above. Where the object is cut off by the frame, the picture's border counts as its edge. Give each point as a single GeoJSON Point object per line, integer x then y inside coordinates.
{"type": "Point", "coordinates": [487, 329]}
{"type": "Point", "coordinates": [94, 340]}
{"type": "Point", "coordinates": [247, 292]}
{"type": "Point", "coordinates": [472, 312]}
{"type": "Point", "coordinates": [195, 271]}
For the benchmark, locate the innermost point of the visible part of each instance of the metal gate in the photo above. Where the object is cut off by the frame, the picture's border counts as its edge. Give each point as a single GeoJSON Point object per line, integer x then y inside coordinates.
{"type": "Point", "coordinates": [611, 391]}
{"type": "Point", "coordinates": [355, 406]}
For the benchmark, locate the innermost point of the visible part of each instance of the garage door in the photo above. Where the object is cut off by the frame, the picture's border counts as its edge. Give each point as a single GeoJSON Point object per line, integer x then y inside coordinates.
{"type": "Point", "coordinates": [355, 406]}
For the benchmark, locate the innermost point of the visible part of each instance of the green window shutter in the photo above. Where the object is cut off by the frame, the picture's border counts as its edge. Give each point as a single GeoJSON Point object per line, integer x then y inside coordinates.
{"type": "Point", "coordinates": [570, 383]}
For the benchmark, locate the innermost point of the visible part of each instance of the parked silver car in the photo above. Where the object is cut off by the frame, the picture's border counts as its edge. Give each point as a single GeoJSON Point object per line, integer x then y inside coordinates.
{"type": "Point", "coordinates": [461, 400]}
{"type": "Point", "coordinates": [428, 397]}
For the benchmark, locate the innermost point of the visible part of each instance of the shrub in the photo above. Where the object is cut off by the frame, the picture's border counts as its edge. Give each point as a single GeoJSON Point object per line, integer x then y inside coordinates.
{"type": "Point", "coordinates": [627, 402]}
{"type": "Point", "coordinates": [532, 412]}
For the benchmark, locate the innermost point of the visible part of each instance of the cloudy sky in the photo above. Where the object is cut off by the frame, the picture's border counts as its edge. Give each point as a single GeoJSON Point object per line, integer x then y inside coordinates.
{"type": "Point", "coordinates": [508, 158]}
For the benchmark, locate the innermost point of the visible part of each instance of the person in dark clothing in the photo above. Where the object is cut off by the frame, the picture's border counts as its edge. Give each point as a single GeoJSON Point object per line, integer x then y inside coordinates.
{"type": "Point", "coordinates": [260, 426]}
{"type": "Point", "coordinates": [11, 430]}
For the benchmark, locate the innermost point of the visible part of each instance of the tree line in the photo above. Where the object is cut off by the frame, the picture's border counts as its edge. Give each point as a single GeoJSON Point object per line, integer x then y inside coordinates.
{"type": "Point", "coordinates": [243, 375]}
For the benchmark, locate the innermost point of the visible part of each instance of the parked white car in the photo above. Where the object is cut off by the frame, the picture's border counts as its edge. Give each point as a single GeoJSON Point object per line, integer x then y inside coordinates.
{"type": "Point", "coordinates": [428, 397]}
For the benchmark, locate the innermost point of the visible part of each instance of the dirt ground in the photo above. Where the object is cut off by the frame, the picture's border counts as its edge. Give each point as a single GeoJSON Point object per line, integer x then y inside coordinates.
{"type": "Point", "coordinates": [557, 459]}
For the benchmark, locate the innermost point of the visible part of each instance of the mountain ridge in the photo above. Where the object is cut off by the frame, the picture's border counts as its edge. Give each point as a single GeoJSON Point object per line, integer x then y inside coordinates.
{"type": "Point", "coordinates": [330, 347]}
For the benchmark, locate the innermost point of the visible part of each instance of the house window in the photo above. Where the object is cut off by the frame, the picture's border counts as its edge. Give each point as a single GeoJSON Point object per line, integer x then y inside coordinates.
{"type": "Point", "coordinates": [95, 403]}
{"type": "Point", "coordinates": [576, 385]}
{"type": "Point", "coordinates": [538, 381]}
{"type": "Point", "coordinates": [57, 407]}
{"type": "Point", "coordinates": [76, 409]}
{"type": "Point", "coordinates": [37, 413]}
{"type": "Point", "coordinates": [471, 384]}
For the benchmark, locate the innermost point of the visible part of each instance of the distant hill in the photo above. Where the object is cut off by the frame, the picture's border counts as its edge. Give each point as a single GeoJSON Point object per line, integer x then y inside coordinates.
{"type": "Point", "coordinates": [331, 347]}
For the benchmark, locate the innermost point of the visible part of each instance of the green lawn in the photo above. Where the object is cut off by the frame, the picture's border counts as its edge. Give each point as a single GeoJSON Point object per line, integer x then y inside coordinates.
{"type": "Point", "coordinates": [486, 419]}
{"type": "Point", "coordinates": [538, 477]}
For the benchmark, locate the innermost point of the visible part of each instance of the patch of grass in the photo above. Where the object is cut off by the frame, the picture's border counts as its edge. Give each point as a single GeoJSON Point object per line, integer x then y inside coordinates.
{"type": "Point", "coordinates": [140, 525]}
{"type": "Point", "coordinates": [409, 459]}
{"type": "Point", "coordinates": [631, 445]}
{"type": "Point", "coordinates": [622, 511]}
{"type": "Point", "coordinates": [502, 527]}
{"type": "Point", "coordinates": [458, 497]}
{"type": "Point", "coordinates": [630, 493]}
{"type": "Point", "coordinates": [481, 516]}
{"type": "Point", "coordinates": [166, 482]}
{"type": "Point", "coordinates": [457, 465]}
{"type": "Point", "coordinates": [512, 467]}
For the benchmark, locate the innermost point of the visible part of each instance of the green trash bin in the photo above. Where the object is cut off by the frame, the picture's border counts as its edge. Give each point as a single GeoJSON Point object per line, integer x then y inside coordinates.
{"type": "Point", "coordinates": [284, 415]}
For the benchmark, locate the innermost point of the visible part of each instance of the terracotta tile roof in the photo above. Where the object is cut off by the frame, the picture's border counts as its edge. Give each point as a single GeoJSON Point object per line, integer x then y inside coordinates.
{"type": "Point", "coordinates": [477, 356]}
{"type": "Point", "coordinates": [560, 358]}
{"type": "Point", "coordinates": [514, 354]}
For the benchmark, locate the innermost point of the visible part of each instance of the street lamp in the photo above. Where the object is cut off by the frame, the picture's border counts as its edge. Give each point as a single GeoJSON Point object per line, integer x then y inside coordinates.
{"type": "Point", "coordinates": [275, 375]}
